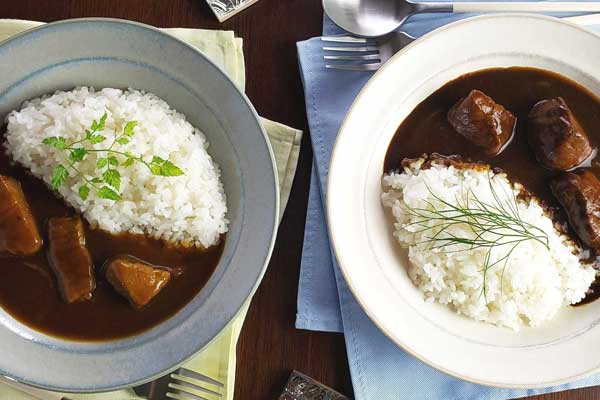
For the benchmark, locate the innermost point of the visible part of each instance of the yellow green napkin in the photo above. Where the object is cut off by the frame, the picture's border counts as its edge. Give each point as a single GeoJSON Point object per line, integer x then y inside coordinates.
{"type": "Point", "coordinates": [218, 359]}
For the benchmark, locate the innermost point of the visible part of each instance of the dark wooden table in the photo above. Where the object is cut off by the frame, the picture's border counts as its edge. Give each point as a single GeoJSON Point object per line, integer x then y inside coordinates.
{"type": "Point", "coordinates": [270, 347]}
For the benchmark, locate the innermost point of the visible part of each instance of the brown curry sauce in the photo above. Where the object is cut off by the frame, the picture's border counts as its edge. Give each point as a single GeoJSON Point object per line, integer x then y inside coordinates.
{"type": "Point", "coordinates": [29, 293]}
{"type": "Point", "coordinates": [426, 129]}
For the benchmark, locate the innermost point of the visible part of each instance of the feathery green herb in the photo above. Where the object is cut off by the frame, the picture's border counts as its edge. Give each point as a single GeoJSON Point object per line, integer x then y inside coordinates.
{"type": "Point", "coordinates": [108, 184]}
{"type": "Point", "coordinates": [489, 225]}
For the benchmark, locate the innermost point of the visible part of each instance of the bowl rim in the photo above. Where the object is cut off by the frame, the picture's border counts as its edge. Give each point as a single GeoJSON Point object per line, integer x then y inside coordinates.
{"type": "Point", "coordinates": [276, 201]}
{"type": "Point", "coordinates": [345, 267]}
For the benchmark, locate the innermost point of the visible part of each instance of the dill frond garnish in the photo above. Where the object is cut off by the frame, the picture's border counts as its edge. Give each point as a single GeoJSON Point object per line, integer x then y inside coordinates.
{"type": "Point", "coordinates": [494, 224]}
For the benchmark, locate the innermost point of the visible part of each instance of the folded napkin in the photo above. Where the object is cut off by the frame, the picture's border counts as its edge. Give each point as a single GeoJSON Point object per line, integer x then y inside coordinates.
{"type": "Point", "coordinates": [218, 359]}
{"type": "Point", "coordinates": [380, 370]}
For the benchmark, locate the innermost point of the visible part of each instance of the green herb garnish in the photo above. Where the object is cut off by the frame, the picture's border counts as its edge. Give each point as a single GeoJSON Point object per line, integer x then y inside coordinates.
{"type": "Point", "coordinates": [108, 183]}
{"type": "Point", "coordinates": [491, 225]}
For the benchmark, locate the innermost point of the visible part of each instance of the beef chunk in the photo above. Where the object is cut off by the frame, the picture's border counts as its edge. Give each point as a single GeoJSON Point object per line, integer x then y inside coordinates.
{"type": "Point", "coordinates": [70, 259]}
{"type": "Point", "coordinates": [556, 137]}
{"type": "Point", "coordinates": [136, 280]}
{"type": "Point", "coordinates": [482, 121]}
{"type": "Point", "coordinates": [579, 194]}
{"type": "Point", "coordinates": [19, 234]}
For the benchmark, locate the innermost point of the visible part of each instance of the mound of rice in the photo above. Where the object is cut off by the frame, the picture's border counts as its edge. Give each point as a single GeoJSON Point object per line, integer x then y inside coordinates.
{"type": "Point", "coordinates": [530, 288]}
{"type": "Point", "coordinates": [188, 209]}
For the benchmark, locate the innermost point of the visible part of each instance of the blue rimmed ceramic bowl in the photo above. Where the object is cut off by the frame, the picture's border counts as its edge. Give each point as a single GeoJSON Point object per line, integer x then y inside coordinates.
{"type": "Point", "coordinates": [115, 53]}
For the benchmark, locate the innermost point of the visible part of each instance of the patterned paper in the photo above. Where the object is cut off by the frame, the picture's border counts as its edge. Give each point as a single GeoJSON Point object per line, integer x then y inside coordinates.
{"type": "Point", "coordinates": [224, 9]}
{"type": "Point", "coordinates": [302, 387]}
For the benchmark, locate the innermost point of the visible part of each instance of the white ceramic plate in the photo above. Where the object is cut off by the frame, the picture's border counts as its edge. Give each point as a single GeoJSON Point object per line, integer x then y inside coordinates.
{"type": "Point", "coordinates": [372, 263]}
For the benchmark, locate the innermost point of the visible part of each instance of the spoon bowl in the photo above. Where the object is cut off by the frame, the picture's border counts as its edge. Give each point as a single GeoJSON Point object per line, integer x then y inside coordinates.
{"type": "Point", "coordinates": [369, 18]}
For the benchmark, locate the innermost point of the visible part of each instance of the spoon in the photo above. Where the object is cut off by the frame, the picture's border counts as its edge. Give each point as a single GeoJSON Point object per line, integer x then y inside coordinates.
{"type": "Point", "coordinates": [373, 18]}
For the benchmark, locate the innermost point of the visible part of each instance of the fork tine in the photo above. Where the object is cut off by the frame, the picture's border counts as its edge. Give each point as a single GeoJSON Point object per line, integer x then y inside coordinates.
{"type": "Point", "coordinates": [354, 58]}
{"type": "Point", "coordinates": [185, 382]}
{"type": "Point", "coordinates": [196, 375]}
{"type": "Point", "coordinates": [358, 48]}
{"type": "Point", "coordinates": [343, 39]}
{"type": "Point", "coordinates": [355, 67]}
{"type": "Point", "coordinates": [184, 396]}
{"type": "Point", "coordinates": [187, 390]}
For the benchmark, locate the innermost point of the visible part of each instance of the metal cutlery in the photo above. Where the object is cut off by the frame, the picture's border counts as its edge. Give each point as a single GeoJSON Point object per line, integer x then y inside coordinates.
{"type": "Point", "coordinates": [360, 54]}
{"type": "Point", "coordinates": [373, 18]}
{"type": "Point", "coordinates": [183, 384]}
{"type": "Point", "coordinates": [351, 53]}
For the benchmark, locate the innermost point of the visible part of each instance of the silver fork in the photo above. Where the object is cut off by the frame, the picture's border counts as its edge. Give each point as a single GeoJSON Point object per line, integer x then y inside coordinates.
{"type": "Point", "coordinates": [361, 54]}
{"type": "Point", "coordinates": [183, 384]}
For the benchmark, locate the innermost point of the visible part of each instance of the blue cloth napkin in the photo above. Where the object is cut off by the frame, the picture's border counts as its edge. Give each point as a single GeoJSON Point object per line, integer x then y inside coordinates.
{"type": "Point", "coordinates": [380, 370]}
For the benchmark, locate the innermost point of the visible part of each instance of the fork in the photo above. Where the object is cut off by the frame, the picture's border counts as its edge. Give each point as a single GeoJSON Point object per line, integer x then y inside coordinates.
{"type": "Point", "coordinates": [183, 384]}
{"type": "Point", "coordinates": [361, 54]}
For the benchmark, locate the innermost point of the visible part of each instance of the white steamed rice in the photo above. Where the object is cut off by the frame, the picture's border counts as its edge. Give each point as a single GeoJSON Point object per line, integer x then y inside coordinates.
{"type": "Point", "coordinates": [188, 209]}
{"type": "Point", "coordinates": [536, 282]}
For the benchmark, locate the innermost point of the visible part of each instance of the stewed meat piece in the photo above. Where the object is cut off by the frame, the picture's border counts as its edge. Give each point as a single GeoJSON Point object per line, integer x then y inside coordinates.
{"type": "Point", "coordinates": [69, 258]}
{"type": "Point", "coordinates": [556, 137]}
{"type": "Point", "coordinates": [482, 121]}
{"type": "Point", "coordinates": [136, 280]}
{"type": "Point", "coordinates": [579, 194]}
{"type": "Point", "coordinates": [19, 234]}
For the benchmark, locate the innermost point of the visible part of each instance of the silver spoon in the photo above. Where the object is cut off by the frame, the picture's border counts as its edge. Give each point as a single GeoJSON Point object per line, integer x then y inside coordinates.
{"type": "Point", "coordinates": [373, 18]}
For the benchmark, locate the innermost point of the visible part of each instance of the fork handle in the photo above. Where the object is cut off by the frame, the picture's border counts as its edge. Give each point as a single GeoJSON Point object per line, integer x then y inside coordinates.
{"type": "Point", "coordinates": [537, 7]}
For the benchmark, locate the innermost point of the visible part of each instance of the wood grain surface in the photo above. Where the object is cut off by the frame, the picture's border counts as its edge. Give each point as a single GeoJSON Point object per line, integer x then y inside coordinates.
{"type": "Point", "coordinates": [270, 347]}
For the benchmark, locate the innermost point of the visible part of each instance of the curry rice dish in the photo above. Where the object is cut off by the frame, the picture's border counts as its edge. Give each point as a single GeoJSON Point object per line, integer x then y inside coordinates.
{"type": "Point", "coordinates": [493, 172]}
{"type": "Point", "coordinates": [112, 213]}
